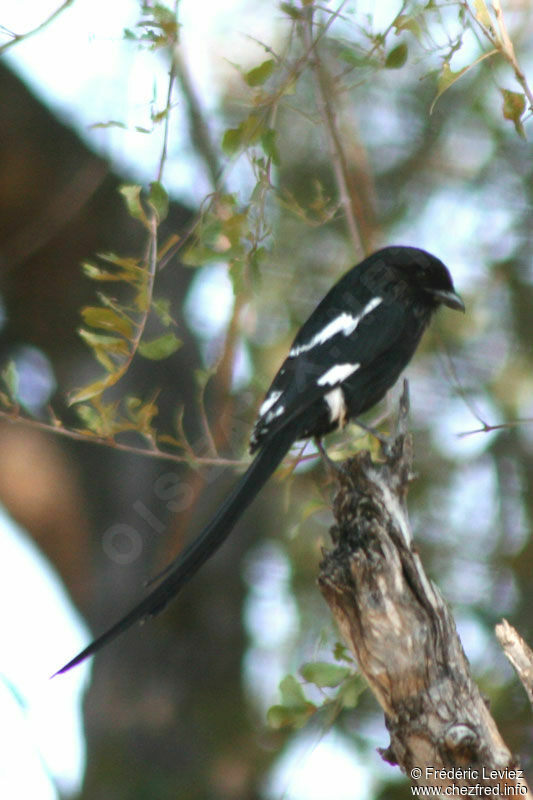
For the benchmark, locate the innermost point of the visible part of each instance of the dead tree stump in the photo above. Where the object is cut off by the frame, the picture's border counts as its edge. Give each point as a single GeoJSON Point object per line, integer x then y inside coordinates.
{"type": "Point", "coordinates": [401, 631]}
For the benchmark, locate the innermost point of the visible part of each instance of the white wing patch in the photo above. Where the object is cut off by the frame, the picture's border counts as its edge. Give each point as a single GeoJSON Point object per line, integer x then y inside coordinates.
{"type": "Point", "coordinates": [337, 406]}
{"type": "Point", "coordinates": [268, 402]}
{"type": "Point", "coordinates": [276, 412]}
{"type": "Point", "coordinates": [337, 374]}
{"type": "Point", "coordinates": [345, 323]}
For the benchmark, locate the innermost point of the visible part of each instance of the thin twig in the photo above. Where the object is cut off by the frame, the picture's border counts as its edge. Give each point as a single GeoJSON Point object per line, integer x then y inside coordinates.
{"type": "Point", "coordinates": [199, 130]}
{"type": "Point", "coordinates": [455, 381]}
{"type": "Point", "coordinates": [487, 428]}
{"type": "Point", "coordinates": [327, 111]}
{"type": "Point", "coordinates": [164, 148]}
{"type": "Point", "coordinates": [20, 37]}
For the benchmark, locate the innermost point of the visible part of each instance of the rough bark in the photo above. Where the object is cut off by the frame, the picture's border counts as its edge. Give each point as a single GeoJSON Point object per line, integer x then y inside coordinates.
{"type": "Point", "coordinates": [402, 633]}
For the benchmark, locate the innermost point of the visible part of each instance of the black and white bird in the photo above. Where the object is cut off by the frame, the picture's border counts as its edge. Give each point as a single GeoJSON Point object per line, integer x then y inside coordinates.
{"type": "Point", "coordinates": [343, 360]}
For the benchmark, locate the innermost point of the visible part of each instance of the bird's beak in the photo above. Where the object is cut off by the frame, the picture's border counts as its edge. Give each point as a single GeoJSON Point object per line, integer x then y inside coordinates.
{"type": "Point", "coordinates": [450, 299]}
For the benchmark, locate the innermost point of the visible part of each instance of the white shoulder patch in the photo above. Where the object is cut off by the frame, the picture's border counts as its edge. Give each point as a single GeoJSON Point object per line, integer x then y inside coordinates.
{"type": "Point", "coordinates": [337, 374]}
{"type": "Point", "coordinates": [345, 323]}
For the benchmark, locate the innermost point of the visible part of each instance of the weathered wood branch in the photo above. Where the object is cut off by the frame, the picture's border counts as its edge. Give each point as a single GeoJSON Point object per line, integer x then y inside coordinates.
{"type": "Point", "coordinates": [519, 654]}
{"type": "Point", "coordinates": [402, 633]}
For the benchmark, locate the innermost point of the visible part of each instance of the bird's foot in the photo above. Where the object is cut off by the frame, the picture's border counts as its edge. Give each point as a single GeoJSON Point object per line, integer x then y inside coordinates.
{"type": "Point", "coordinates": [332, 467]}
{"type": "Point", "coordinates": [386, 442]}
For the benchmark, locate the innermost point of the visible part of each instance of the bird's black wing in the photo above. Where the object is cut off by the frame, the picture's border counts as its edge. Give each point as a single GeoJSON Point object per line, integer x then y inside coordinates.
{"type": "Point", "coordinates": [348, 348]}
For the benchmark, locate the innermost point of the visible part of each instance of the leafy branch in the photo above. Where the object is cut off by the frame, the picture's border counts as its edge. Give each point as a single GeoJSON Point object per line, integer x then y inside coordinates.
{"type": "Point", "coordinates": [495, 31]}
{"type": "Point", "coordinates": [86, 436]}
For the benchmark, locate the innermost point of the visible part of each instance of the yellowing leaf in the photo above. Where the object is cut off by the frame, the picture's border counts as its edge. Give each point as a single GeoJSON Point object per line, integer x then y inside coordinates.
{"type": "Point", "coordinates": [406, 22]}
{"type": "Point", "coordinates": [482, 13]}
{"type": "Point", "coordinates": [107, 319]}
{"type": "Point", "coordinates": [514, 105]}
{"type": "Point", "coordinates": [112, 123]}
{"type": "Point", "coordinates": [104, 347]}
{"type": "Point", "coordinates": [447, 77]}
{"type": "Point", "coordinates": [93, 389]}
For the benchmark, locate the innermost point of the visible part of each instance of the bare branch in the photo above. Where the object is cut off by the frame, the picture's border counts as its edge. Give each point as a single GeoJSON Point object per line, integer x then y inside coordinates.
{"type": "Point", "coordinates": [519, 654]}
{"type": "Point", "coordinates": [402, 633]}
{"type": "Point", "coordinates": [20, 37]}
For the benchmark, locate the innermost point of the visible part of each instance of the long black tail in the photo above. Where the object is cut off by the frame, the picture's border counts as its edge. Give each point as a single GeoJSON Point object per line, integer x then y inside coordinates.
{"type": "Point", "coordinates": [189, 561]}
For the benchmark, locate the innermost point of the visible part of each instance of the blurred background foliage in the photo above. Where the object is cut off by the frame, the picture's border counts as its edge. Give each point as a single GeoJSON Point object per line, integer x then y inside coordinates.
{"type": "Point", "coordinates": [339, 135]}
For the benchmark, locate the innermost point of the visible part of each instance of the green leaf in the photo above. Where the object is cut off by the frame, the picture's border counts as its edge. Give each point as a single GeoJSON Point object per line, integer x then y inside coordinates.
{"type": "Point", "coordinates": [107, 319]}
{"type": "Point", "coordinates": [247, 133]}
{"type": "Point", "coordinates": [90, 416]}
{"type": "Point", "coordinates": [258, 75]}
{"type": "Point", "coordinates": [351, 690]}
{"type": "Point", "coordinates": [161, 306]}
{"type": "Point", "coordinates": [158, 200]}
{"type": "Point", "coordinates": [291, 11]}
{"type": "Point", "coordinates": [132, 195]}
{"type": "Point", "coordinates": [160, 348]}
{"type": "Point", "coordinates": [294, 710]}
{"type": "Point", "coordinates": [256, 258]}
{"type": "Point", "coordinates": [268, 143]}
{"type": "Point", "coordinates": [514, 105]}
{"type": "Point", "coordinates": [406, 22]}
{"type": "Point", "coordinates": [291, 690]}
{"type": "Point", "coordinates": [446, 79]}
{"type": "Point", "coordinates": [197, 255]}
{"type": "Point", "coordinates": [232, 141]}
{"type": "Point", "coordinates": [397, 57]}
{"type": "Point", "coordinates": [11, 379]}
{"type": "Point", "coordinates": [352, 57]}
{"type": "Point", "coordinates": [289, 717]}
{"type": "Point", "coordinates": [340, 653]}
{"type": "Point", "coordinates": [323, 674]}
{"type": "Point", "coordinates": [97, 274]}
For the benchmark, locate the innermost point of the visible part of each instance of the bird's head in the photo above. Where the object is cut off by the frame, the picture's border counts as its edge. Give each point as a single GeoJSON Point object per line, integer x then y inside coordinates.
{"type": "Point", "coordinates": [417, 273]}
